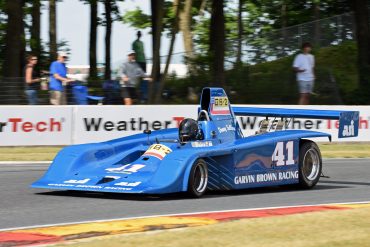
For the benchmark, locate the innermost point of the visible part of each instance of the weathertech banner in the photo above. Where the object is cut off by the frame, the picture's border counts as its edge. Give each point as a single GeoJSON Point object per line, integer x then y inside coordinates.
{"type": "Point", "coordinates": [66, 125]}
{"type": "Point", "coordinates": [102, 123]}
{"type": "Point", "coordinates": [35, 125]}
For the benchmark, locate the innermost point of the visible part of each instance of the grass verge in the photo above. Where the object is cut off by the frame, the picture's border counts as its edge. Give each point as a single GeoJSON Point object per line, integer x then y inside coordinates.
{"type": "Point", "coordinates": [328, 150]}
{"type": "Point", "coordinates": [321, 229]}
{"type": "Point", "coordinates": [28, 153]}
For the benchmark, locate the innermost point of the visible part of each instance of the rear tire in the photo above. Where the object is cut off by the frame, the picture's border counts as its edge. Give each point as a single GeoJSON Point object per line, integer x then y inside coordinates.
{"type": "Point", "coordinates": [198, 179]}
{"type": "Point", "coordinates": [310, 164]}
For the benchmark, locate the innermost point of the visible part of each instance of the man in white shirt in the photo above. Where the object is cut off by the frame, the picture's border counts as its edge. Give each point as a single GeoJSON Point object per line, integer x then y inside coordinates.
{"type": "Point", "coordinates": [303, 65]}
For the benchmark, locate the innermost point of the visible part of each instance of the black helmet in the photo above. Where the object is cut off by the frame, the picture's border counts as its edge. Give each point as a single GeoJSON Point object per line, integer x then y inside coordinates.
{"type": "Point", "coordinates": [188, 130]}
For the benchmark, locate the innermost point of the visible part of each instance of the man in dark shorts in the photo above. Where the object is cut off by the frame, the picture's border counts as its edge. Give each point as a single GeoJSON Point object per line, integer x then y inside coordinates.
{"type": "Point", "coordinates": [132, 74]}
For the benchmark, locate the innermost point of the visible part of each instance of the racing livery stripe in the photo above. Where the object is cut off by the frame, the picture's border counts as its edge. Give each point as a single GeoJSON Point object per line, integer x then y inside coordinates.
{"type": "Point", "coordinates": [154, 155]}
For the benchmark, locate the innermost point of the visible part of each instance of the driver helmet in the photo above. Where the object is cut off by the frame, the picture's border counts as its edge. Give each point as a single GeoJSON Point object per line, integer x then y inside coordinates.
{"type": "Point", "coordinates": [188, 130]}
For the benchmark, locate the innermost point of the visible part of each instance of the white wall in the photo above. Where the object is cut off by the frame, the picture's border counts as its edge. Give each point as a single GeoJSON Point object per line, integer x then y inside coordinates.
{"type": "Point", "coordinates": [65, 125]}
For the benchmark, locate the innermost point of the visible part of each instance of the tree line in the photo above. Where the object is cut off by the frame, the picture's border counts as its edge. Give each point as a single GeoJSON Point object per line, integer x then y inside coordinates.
{"type": "Point", "coordinates": [213, 32]}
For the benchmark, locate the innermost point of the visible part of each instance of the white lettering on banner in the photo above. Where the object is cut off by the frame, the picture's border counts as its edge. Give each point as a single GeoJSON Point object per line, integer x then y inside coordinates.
{"type": "Point", "coordinates": [349, 130]}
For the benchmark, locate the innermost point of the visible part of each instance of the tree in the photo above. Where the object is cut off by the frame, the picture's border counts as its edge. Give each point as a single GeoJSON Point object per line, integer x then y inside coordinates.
{"type": "Point", "coordinates": [316, 17]}
{"type": "Point", "coordinates": [185, 28]}
{"type": "Point", "coordinates": [14, 50]}
{"type": "Point", "coordinates": [14, 39]}
{"type": "Point", "coordinates": [175, 27]}
{"type": "Point", "coordinates": [52, 30]}
{"type": "Point", "coordinates": [3, 20]}
{"type": "Point", "coordinates": [108, 36]}
{"type": "Point", "coordinates": [157, 7]}
{"type": "Point", "coordinates": [111, 14]}
{"type": "Point", "coordinates": [217, 43]}
{"type": "Point", "coordinates": [93, 72]}
{"type": "Point", "coordinates": [240, 33]}
{"type": "Point", "coordinates": [35, 41]}
{"type": "Point", "coordinates": [361, 9]}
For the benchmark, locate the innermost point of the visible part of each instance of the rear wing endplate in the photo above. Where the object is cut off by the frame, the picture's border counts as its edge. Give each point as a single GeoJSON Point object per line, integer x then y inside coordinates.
{"type": "Point", "coordinates": [348, 120]}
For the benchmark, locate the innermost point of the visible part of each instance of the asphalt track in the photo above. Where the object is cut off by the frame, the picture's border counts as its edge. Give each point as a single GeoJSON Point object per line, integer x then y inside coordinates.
{"type": "Point", "coordinates": [21, 206]}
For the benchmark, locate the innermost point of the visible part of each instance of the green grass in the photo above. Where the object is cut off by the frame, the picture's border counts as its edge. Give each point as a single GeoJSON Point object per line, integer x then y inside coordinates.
{"type": "Point", "coordinates": [321, 229]}
{"type": "Point", "coordinates": [345, 150]}
{"type": "Point", "coordinates": [328, 150]}
{"type": "Point", "coordinates": [28, 153]}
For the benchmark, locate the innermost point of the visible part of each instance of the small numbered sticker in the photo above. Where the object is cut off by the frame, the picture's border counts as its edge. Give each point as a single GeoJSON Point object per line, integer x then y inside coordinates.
{"type": "Point", "coordinates": [220, 106]}
{"type": "Point", "coordinates": [221, 102]}
{"type": "Point", "coordinates": [158, 150]}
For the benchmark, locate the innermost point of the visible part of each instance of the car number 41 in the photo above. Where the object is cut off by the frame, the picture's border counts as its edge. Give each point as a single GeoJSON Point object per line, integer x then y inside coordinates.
{"type": "Point", "coordinates": [281, 158]}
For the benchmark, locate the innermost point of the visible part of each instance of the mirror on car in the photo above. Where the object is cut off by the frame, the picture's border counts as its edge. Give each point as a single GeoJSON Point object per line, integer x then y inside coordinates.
{"type": "Point", "coordinates": [148, 132]}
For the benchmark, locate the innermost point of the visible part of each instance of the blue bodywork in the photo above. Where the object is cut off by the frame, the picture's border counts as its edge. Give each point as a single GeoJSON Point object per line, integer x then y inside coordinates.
{"type": "Point", "coordinates": [158, 163]}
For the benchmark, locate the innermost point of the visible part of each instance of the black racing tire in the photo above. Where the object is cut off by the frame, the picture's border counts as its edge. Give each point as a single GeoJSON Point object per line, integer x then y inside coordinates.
{"type": "Point", "coordinates": [198, 178]}
{"type": "Point", "coordinates": [310, 164]}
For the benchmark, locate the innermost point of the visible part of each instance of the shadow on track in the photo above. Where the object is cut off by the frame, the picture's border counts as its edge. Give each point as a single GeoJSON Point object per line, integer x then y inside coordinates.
{"type": "Point", "coordinates": [184, 196]}
{"type": "Point", "coordinates": [345, 182]}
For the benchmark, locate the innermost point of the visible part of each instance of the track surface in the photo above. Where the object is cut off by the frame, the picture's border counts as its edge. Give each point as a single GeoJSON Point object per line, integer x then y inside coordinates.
{"type": "Point", "coordinates": [21, 206]}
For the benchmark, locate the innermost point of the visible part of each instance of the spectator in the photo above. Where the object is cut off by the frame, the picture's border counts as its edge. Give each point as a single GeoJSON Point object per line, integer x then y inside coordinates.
{"type": "Point", "coordinates": [303, 65]}
{"type": "Point", "coordinates": [132, 74]}
{"type": "Point", "coordinates": [58, 80]}
{"type": "Point", "coordinates": [32, 80]}
{"type": "Point", "coordinates": [138, 47]}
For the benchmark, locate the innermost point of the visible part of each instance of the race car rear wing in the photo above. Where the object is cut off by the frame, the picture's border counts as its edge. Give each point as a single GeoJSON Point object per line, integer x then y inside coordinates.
{"type": "Point", "coordinates": [348, 120]}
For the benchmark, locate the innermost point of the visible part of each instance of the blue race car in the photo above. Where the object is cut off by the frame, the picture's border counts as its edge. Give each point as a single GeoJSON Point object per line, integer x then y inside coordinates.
{"type": "Point", "coordinates": [209, 153]}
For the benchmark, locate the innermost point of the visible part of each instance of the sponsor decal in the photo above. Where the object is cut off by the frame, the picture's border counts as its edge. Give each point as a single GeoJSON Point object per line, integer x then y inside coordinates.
{"type": "Point", "coordinates": [83, 186]}
{"type": "Point", "coordinates": [133, 124]}
{"type": "Point", "coordinates": [220, 106]}
{"type": "Point", "coordinates": [128, 184]}
{"type": "Point", "coordinates": [73, 181]}
{"type": "Point", "coordinates": [227, 128]}
{"type": "Point", "coordinates": [126, 169]}
{"type": "Point", "coordinates": [278, 158]}
{"type": "Point", "coordinates": [253, 123]}
{"type": "Point", "coordinates": [349, 130]}
{"type": "Point", "coordinates": [22, 125]}
{"type": "Point", "coordinates": [62, 185]}
{"type": "Point", "coordinates": [158, 150]}
{"type": "Point", "coordinates": [201, 144]}
{"type": "Point", "coordinates": [266, 177]}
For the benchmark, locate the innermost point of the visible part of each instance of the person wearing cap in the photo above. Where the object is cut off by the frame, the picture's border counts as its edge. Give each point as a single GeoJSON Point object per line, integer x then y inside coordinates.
{"type": "Point", "coordinates": [58, 80]}
{"type": "Point", "coordinates": [303, 65]}
{"type": "Point", "coordinates": [132, 74]}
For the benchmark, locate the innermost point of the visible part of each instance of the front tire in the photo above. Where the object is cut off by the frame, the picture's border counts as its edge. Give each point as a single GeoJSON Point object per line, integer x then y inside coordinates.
{"type": "Point", "coordinates": [310, 164]}
{"type": "Point", "coordinates": [198, 179]}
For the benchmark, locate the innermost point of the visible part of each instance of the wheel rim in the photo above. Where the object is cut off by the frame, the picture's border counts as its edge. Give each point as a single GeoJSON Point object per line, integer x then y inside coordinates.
{"type": "Point", "coordinates": [200, 178]}
{"type": "Point", "coordinates": [311, 164]}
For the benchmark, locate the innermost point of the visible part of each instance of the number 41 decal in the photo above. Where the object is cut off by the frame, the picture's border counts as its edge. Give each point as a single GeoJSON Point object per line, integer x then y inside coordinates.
{"type": "Point", "coordinates": [278, 155]}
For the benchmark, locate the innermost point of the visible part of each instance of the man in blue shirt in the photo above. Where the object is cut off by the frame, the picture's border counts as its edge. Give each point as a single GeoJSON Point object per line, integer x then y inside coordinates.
{"type": "Point", "coordinates": [58, 80]}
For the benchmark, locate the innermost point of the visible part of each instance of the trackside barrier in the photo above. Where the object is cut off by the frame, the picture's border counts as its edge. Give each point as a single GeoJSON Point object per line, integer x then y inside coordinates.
{"type": "Point", "coordinates": [66, 125]}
